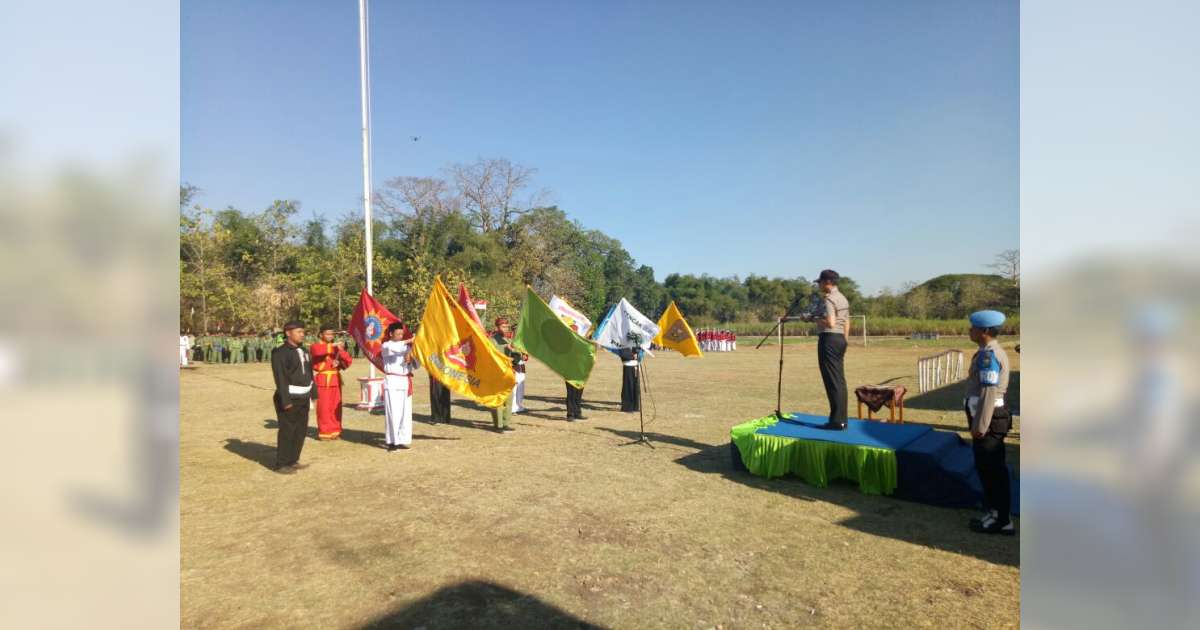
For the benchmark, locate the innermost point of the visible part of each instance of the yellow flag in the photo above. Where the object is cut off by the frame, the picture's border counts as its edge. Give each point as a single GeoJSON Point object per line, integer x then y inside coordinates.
{"type": "Point", "coordinates": [674, 333]}
{"type": "Point", "coordinates": [459, 354]}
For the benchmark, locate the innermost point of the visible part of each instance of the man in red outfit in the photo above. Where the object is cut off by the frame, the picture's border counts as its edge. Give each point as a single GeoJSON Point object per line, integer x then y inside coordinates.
{"type": "Point", "coordinates": [329, 359]}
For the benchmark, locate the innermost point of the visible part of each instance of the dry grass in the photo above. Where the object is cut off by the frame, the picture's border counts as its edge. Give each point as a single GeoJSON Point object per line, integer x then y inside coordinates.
{"type": "Point", "coordinates": [558, 524]}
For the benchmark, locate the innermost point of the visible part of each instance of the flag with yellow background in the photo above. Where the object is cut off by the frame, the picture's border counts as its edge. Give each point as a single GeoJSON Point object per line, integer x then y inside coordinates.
{"type": "Point", "coordinates": [457, 352]}
{"type": "Point", "coordinates": [674, 333]}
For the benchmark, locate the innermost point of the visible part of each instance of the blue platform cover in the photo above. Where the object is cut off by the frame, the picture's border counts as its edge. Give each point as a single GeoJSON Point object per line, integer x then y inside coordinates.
{"type": "Point", "coordinates": [859, 432]}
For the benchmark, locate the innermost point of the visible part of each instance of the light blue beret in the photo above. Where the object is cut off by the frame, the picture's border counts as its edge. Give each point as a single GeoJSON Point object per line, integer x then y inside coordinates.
{"type": "Point", "coordinates": [986, 319]}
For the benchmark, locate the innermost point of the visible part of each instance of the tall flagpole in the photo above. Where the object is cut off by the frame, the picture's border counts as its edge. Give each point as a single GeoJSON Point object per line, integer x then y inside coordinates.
{"type": "Point", "coordinates": [365, 75]}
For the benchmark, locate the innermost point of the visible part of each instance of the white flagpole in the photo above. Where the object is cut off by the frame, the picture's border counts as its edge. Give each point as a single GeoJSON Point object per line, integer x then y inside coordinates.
{"type": "Point", "coordinates": [365, 75]}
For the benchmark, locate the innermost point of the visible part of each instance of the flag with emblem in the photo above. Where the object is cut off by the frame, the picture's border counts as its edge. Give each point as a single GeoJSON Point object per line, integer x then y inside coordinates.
{"type": "Point", "coordinates": [543, 335]}
{"type": "Point", "coordinates": [625, 327]}
{"type": "Point", "coordinates": [674, 333]}
{"type": "Point", "coordinates": [576, 321]}
{"type": "Point", "coordinates": [457, 352]}
{"type": "Point", "coordinates": [367, 324]}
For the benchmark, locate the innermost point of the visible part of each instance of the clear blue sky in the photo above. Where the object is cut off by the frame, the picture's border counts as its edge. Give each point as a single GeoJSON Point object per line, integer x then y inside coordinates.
{"type": "Point", "coordinates": [877, 138]}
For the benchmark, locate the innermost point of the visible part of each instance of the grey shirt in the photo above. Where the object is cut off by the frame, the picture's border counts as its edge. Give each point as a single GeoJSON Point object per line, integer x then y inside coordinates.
{"type": "Point", "coordinates": [986, 395]}
{"type": "Point", "coordinates": [839, 306]}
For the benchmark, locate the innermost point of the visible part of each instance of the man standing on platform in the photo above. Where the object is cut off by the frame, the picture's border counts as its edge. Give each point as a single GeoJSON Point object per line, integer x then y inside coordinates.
{"type": "Point", "coordinates": [500, 338]}
{"type": "Point", "coordinates": [329, 359]}
{"type": "Point", "coordinates": [291, 366]}
{"type": "Point", "coordinates": [990, 421]}
{"type": "Point", "coordinates": [833, 324]}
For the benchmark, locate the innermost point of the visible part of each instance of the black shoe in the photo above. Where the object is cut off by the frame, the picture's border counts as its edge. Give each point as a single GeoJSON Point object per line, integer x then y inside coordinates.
{"type": "Point", "coordinates": [286, 470]}
{"type": "Point", "coordinates": [834, 426]}
{"type": "Point", "coordinates": [392, 447]}
{"type": "Point", "coordinates": [299, 466]}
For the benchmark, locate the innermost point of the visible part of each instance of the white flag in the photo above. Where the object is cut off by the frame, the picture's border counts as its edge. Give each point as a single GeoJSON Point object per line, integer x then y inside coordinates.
{"type": "Point", "coordinates": [625, 327]}
{"type": "Point", "coordinates": [572, 318]}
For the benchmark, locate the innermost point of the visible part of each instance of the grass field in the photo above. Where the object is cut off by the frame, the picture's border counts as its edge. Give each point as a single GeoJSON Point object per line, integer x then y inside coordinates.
{"type": "Point", "coordinates": [562, 524]}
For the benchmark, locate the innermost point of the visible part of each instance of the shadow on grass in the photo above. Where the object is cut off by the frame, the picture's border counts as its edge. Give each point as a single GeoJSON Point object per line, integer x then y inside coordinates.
{"type": "Point", "coordinates": [916, 523]}
{"type": "Point", "coordinates": [598, 405]}
{"type": "Point", "coordinates": [261, 454]}
{"type": "Point", "coordinates": [479, 604]}
{"type": "Point", "coordinates": [358, 436]}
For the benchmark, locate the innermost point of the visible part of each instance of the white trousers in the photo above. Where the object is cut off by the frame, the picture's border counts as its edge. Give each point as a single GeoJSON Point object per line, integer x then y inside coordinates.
{"type": "Point", "coordinates": [518, 397]}
{"type": "Point", "coordinates": [183, 352]}
{"type": "Point", "coordinates": [398, 407]}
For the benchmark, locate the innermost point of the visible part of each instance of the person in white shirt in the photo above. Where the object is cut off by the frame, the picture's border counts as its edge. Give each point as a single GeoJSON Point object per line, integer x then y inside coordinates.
{"type": "Point", "coordinates": [398, 366]}
{"type": "Point", "coordinates": [185, 346]}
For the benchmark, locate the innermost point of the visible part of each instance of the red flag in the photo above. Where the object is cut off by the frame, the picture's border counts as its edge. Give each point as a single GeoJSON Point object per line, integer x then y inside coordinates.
{"type": "Point", "coordinates": [367, 324]}
{"type": "Point", "coordinates": [464, 300]}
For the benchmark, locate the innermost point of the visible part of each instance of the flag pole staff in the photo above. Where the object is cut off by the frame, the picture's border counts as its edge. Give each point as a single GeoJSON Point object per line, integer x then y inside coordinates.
{"type": "Point", "coordinates": [365, 86]}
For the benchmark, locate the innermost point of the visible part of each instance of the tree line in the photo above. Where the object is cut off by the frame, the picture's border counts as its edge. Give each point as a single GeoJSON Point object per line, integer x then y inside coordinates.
{"type": "Point", "coordinates": [481, 224]}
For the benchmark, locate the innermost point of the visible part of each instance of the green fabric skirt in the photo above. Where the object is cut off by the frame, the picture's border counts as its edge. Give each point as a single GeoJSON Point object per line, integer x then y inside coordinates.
{"type": "Point", "coordinates": [815, 461]}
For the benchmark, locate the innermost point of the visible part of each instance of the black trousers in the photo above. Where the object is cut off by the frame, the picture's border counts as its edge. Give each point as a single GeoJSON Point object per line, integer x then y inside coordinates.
{"type": "Point", "coordinates": [439, 401]}
{"type": "Point", "coordinates": [631, 394]}
{"type": "Point", "coordinates": [831, 352]}
{"type": "Point", "coordinates": [991, 464]}
{"type": "Point", "coordinates": [574, 402]}
{"type": "Point", "coordinates": [293, 425]}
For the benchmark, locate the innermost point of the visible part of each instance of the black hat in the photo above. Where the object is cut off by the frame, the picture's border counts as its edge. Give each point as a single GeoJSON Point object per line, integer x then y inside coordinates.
{"type": "Point", "coordinates": [295, 323]}
{"type": "Point", "coordinates": [828, 275]}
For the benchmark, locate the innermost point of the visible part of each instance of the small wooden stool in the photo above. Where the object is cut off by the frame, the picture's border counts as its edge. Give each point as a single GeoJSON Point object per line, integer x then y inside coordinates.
{"type": "Point", "coordinates": [876, 397]}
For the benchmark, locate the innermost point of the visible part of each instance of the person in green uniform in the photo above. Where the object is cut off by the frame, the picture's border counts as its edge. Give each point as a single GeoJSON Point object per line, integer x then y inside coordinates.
{"type": "Point", "coordinates": [206, 347]}
{"type": "Point", "coordinates": [500, 338]}
{"type": "Point", "coordinates": [237, 349]}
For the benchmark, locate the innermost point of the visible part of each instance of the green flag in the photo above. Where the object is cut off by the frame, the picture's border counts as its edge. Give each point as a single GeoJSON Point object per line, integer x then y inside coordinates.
{"type": "Point", "coordinates": [543, 336]}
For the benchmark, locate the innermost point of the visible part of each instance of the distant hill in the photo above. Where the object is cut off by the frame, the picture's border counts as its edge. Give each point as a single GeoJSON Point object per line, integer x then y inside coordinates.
{"type": "Point", "coordinates": [953, 282]}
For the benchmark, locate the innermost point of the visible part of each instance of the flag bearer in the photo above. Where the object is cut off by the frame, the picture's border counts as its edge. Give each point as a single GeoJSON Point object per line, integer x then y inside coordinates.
{"type": "Point", "coordinates": [500, 338]}
{"type": "Point", "coordinates": [398, 366]}
{"type": "Point", "coordinates": [990, 421]}
{"type": "Point", "coordinates": [329, 359]}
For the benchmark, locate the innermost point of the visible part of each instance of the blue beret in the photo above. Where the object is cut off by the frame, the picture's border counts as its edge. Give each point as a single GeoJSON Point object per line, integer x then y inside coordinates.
{"type": "Point", "coordinates": [986, 319]}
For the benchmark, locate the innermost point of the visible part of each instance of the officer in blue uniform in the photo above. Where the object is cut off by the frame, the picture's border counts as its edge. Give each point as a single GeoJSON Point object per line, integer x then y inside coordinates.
{"type": "Point", "coordinates": [990, 421]}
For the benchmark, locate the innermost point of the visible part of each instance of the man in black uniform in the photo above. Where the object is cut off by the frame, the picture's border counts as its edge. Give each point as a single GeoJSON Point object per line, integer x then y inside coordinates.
{"type": "Point", "coordinates": [292, 368]}
{"type": "Point", "coordinates": [631, 395]}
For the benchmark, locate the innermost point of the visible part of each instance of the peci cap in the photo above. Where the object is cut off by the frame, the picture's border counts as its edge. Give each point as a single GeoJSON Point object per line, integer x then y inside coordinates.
{"type": "Point", "coordinates": [295, 323]}
{"type": "Point", "coordinates": [828, 275]}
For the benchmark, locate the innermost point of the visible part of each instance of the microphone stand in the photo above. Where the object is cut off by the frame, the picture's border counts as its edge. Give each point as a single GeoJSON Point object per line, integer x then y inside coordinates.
{"type": "Point", "coordinates": [787, 316]}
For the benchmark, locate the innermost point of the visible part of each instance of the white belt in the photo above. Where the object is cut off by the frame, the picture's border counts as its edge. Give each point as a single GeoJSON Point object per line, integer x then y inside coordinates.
{"type": "Point", "coordinates": [630, 363]}
{"type": "Point", "coordinates": [299, 389]}
{"type": "Point", "coordinates": [973, 404]}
